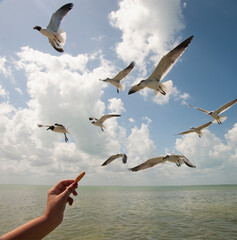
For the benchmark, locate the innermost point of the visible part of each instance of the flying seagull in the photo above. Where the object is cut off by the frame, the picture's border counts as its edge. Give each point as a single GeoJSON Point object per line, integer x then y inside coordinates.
{"type": "Point", "coordinates": [215, 114]}
{"type": "Point", "coordinates": [56, 36]}
{"type": "Point", "coordinates": [177, 159]}
{"type": "Point", "coordinates": [120, 76]}
{"type": "Point", "coordinates": [57, 128]}
{"type": "Point", "coordinates": [99, 122]}
{"type": "Point", "coordinates": [197, 130]}
{"type": "Point", "coordinates": [161, 70]}
{"type": "Point", "coordinates": [113, 157]}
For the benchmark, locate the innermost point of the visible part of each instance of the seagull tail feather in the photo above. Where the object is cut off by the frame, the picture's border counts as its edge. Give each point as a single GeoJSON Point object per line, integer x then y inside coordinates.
{"type": "Point", "coordinates": [221, 119]}
{"type": "Point", "coordinates": [167, 86]}
{"type": "Point", "coordinates": [121, 87]}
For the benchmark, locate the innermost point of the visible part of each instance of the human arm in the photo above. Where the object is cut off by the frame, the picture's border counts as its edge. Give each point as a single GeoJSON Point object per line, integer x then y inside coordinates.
{"type": "Point", "coordinates": [38, 228]}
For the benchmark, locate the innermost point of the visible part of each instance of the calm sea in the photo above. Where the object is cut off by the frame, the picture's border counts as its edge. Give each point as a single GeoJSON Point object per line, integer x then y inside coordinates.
{"type": "Point", "coordinates": [189, 212]}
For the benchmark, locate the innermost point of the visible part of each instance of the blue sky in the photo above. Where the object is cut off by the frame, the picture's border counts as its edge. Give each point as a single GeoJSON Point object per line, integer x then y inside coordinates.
{"type": "Point", "coordinates": [40, 85]}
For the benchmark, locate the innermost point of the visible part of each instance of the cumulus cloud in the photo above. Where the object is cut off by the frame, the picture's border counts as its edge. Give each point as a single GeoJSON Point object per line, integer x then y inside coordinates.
{"type": "Point", "coordinates": [63, 90]}
{"type": "Point", "coordinates": [116, 105]}
{"type": "Point", "coordinates": [3, 92]}
{"type": "Point", "coordinates": [212, 156]}
{"type": "Point", "coordinates": [143, 28]}
{"type": "Point", "coordinates": [6, 71]}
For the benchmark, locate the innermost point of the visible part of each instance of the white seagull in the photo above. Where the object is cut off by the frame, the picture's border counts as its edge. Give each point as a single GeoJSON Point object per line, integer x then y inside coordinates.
{"type": "Point", "coordinates": [99, 122]}
{"type": "Point", "coordinates": [215, 114]}
{"type": "Point", "coordinates": [120, 76]}
{"type": "Point", "coordinates": [175, 158]}
{"type": "Point", "coordinates": [57, 128]}
{"type": "Point", "coordinates": [56, 36]}
{"type": "Point", "coordinates": [161, 70]}
{"type": "Point", "coordinates": [197, 130]}
{"type": "Point", "coordinates": [113, 157]}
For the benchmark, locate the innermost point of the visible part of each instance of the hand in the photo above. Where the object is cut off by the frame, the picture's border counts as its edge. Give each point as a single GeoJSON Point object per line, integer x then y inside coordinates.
{"type": "Point", "coordinates": [58, 196]}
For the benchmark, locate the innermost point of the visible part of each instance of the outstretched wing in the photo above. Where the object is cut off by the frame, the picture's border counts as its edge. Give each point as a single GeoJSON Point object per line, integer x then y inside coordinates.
{"type": "Point", "coordinates": [122, 74]}
{"type": "Point", "coordinates": [187, 162]}
{"type": "Point", "coordinates": [93, 118]}
{"type": "Point", "coordinates": [103, 118]}
{"type": "Point", "coordinates": [204, 126]}
{"type": "Point", "coordinates": [168, 61]}
{"type": "Point", "coordinates": [185, 132]}
{"type": "Point", "coordinates": [111, 159]}
{"type": "Point", "coordinates": [148, 164]}
{"type": "Point", "coordinates": [40, 125]}
{"type": "Point", "coordinates": [58, 16]}
{"type": "Point", "coordinates": [136, 88]}
{"type": "Point", "coordinates": [226, 106]}
{"type": "Point", "coordinates": [200, 109]}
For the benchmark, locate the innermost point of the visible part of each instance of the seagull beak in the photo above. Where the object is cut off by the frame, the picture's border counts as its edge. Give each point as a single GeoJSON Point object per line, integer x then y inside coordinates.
{"type": "Point", "coordinates": [34, 27]}
{"type": "Point", "coordinates": [48, 128]}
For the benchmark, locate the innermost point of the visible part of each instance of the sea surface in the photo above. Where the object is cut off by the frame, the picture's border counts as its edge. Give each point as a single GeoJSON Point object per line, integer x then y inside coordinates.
{"type": "Point", "coordinates": [183, 212]}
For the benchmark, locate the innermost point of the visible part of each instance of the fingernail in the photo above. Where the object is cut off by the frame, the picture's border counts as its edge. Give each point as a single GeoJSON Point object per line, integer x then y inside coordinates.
{"type": "Point", "coordinates": [75, 184]}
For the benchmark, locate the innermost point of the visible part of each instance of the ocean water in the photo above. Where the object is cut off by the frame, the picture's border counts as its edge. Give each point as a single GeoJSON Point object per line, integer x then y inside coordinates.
{"type": "Point", "coordinates": [187, 212]}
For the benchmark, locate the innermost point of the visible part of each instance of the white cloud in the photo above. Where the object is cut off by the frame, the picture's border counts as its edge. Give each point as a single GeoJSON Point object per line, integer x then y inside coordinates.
{"type": "Point", "coordinates": [131, 120]}
{"type": "Point", "coordinates": [19, 91]}
{"type": "Point", "coordinates": [3, 92]}
{"type": "Point", "coordinates": [139, 144]}
{"type": "Point", "coordinates": [144, 30]}
{"type": "Point", "coordinates": [216, 159]}
{"type": "Point", "coordinates": [63, 90]}
{"type": "Point", "coordinates": [116, 105]}
{"type": "Point", "coordinates": [6, 71]}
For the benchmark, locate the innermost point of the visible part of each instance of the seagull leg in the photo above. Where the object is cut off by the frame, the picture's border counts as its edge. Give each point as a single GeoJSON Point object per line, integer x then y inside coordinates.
{"type": "Point", "coordinates": [161, 91]}
{"type": "Point", "coordinates": [178, 164]}
{"type": "Point", "coordinates": [66, 139]}
{"type": "Point", "coordinates": [57, 39]}
{"type": "Point", "coordinates": [117, 90]}
{"type": "Point", "coordinates": [102, 129]}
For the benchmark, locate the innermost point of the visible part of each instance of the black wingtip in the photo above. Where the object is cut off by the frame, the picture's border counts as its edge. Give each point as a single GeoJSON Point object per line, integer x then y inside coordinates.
{"type": "Point", "coordinates": [68, 6]}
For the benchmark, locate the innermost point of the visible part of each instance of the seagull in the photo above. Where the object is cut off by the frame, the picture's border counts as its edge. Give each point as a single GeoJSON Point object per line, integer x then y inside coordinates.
{"type": "Point", "coordinates": [161, 70]}
{"type": "Point", "coordinates": [215, 114]}
{"type": "Point", "coordinates": [197, 130]}
{"type": "Point", "coordinates": [99, 122]}
{"type": "Point", "coordinates": [113, 157]}
{"type": "Point", "coordinates": [120, 76]}
{"type": "Point", "coordinates": [56, 36]}
{"type": "Point", "coordinates": [177, 159]}
{"type": "Point", "coordinates": [57, 128]}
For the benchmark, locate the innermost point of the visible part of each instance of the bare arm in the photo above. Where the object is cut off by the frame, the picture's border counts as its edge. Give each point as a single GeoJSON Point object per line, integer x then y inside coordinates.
{"type": "Point", "coordinates": [58, 196]}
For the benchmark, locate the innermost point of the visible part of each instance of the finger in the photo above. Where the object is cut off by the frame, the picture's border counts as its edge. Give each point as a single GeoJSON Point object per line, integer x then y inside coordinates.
{"type": "Point", "coordinates": [70, 201]}
{"type": "Point", "coordinates": [74, 193]}
{"type": "Point", "coordinates": [62, 185]}
{"type": "Point", "coordinates": [69, 190]}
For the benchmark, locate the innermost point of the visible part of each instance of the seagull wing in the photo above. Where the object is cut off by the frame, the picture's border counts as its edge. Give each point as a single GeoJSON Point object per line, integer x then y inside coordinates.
{"type": "Point", "coordinates": [226, 106]}
{"type": "Point", "coordinates": [185, 132]}
{"type": "Point", "coordinates": [93, 118]}
{"type": "Point", "coordinates": [187, 162]}
{"type": "Point", "coordinates": [122, 74]}
{"type": "Point", "coordinates": [40, 125]}
{"type": "Point", "coordinates": [204, 126]}
{"type": "Point", "coordinates": [103, 118]}
{"type": "Point", "coordinates": [148, 164]}
{"type": "Point", "coordinates": [111, 159]}
{"type": "Point", "coordinates": [200, 109]}
{"type": "Point", "coordinates": [168, 61]}
{"type": "Point", "coordinates": [136, 88]}
{"type": "Point", "coordinates": [58, 16]}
